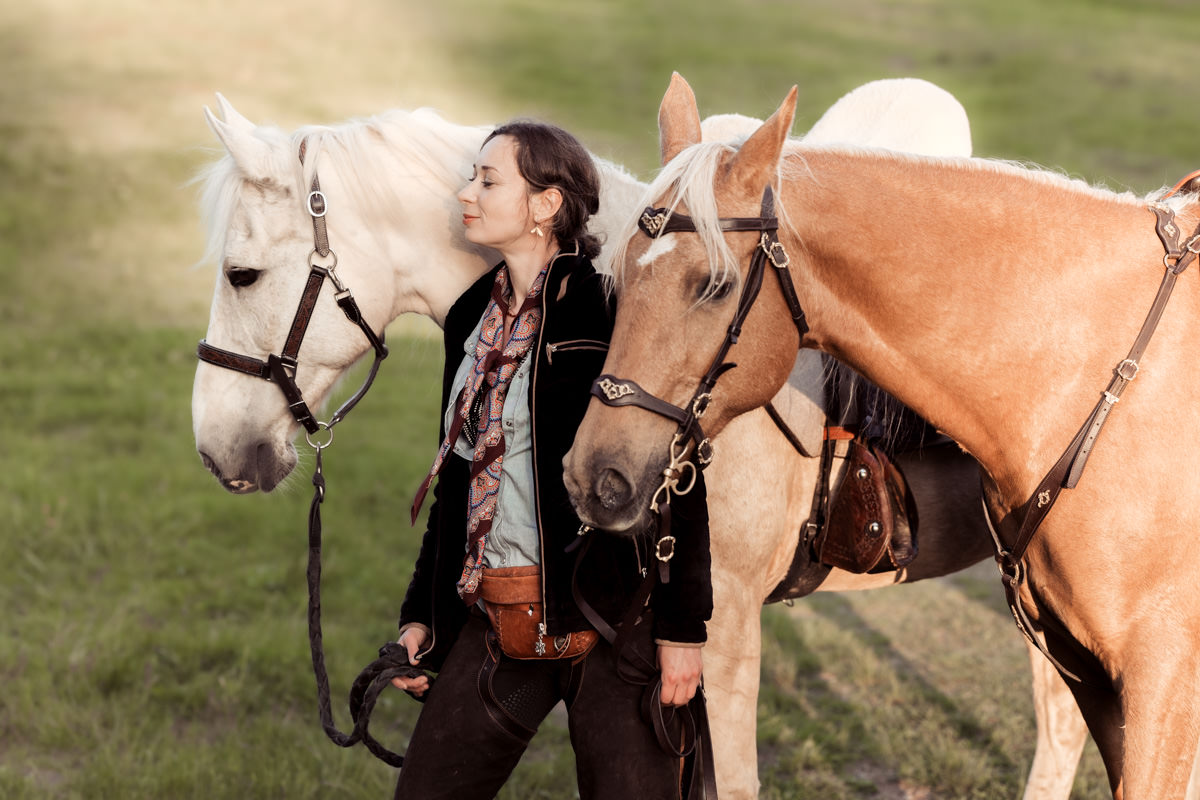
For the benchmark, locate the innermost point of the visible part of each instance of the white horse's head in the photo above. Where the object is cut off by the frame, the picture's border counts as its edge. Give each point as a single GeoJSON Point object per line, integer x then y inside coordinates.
{"type": "Point", "coordinates": [390, 183]}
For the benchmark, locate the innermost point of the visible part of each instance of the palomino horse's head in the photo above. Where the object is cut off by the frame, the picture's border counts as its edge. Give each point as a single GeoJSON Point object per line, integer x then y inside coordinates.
{"type": "Point", "coordinates": [386, 186]}
{"type": "Point", "coordinates": [680, 288]}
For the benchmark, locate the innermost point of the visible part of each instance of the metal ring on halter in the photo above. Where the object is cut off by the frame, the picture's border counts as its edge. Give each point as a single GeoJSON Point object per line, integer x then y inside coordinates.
{"type": "Point", "coordinates": [319, 445]}
{"type": "Point", "coordinates": [309, 203]}
{"type": "Point", "coordinates": [1121, 369]}
{"type": "Point", "coordinates": [312, 260]}
{"type": "Point", "coordinates": [701, 404]}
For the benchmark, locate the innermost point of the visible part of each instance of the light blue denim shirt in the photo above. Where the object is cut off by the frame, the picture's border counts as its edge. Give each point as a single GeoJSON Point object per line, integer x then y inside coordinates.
{"type": "Point", "coordinates": [513, 540]}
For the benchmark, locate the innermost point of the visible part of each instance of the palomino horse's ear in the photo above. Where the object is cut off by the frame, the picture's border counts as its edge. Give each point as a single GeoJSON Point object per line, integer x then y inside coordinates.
{"type": "Point", "coordinates": [251, 154]}
{"type": "Point", "coordinates": [231, 115]}
{"type": "Point", "coordinates": [758, 159]}
{"type": "Point", "coordinates": [678, 118]}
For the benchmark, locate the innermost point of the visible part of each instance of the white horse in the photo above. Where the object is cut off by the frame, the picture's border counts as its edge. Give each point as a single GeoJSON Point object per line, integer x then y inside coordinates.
{"type": "Point", "coordinates": [396, 230]}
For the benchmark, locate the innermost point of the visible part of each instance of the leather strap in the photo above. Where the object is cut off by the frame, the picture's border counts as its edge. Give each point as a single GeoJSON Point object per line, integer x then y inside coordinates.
{"type": "Point", "coordinates": [1066, 472]}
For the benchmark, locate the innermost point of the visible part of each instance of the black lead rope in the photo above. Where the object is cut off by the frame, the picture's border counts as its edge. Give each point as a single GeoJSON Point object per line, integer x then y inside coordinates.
{"type": "Point", "coordinates": [393, 659]}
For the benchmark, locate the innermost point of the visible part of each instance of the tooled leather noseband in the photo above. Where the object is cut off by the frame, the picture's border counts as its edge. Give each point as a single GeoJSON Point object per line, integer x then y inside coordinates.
{"type": "Point", "coordinates": [615, 391]}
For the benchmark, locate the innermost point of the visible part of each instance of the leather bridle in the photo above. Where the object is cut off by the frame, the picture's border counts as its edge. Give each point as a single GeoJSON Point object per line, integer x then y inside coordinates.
{"type": "Point", "coordinates": [281, 370]}
{"type": "Point", "coordinates": [615, 391]}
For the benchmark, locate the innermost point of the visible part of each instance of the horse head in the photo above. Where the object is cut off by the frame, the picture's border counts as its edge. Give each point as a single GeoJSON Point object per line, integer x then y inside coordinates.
{"type": "Point", "coordinates": [388, 211]}
{"type": "Point", "coordinates": [679, 288]}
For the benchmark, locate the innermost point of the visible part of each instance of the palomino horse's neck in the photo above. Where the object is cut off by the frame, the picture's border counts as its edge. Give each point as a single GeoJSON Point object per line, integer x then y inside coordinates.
{"type": "Point", "coordinates": [993, 301]}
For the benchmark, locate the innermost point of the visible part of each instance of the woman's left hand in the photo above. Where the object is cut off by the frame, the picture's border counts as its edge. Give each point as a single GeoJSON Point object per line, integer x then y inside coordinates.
{"type": "Point", "coordinates": [681, 668]}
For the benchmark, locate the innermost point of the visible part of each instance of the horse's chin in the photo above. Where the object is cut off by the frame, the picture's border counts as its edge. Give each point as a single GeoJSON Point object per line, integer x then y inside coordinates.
{"type": "Point", "coordinates": [625, 522]}
{"type": "Point", "coordinates": [261, 468]}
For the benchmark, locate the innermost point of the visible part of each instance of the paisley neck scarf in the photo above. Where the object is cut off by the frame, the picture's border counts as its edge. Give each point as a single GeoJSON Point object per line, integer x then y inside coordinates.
{"type": "Point", "coordinates": [478, 415]}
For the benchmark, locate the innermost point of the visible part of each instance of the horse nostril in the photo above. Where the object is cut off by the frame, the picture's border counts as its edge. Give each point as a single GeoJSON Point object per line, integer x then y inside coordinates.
{"type": "Point", "coordinates": [209, 464]}
{"type": "Point", "coordinates": [613, 490]}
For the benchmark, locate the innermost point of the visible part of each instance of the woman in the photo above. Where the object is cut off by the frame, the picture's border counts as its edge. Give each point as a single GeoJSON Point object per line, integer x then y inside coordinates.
{"type": "Point", "coordinates": [522, 348]}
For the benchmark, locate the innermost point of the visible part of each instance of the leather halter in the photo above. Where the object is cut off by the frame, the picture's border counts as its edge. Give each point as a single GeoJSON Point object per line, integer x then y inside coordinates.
{"type": "Point", "coordinates": [1068, 469]}
{"type": "Point", "coordinates": [281, 369]}
{"type": "Point", "coordinates": [615, 391]}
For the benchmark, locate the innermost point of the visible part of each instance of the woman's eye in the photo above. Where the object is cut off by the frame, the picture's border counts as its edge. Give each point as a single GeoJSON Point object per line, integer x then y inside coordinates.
{"type": "Point", "coordinates": [241, 276]}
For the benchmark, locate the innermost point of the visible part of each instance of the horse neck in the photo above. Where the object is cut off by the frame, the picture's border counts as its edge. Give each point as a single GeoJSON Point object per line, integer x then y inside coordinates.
{"type": "Point", "coordinates": [407, 223]}
{"type": "Point", "coordinates": [620, 193]}
{"type": "Point", "coordinates": [969, 293]}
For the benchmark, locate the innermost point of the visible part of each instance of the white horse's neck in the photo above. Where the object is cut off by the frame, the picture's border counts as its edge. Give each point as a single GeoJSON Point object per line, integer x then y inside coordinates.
{"type": "Point", "coordinates": [620, 193]}
{"type": "Point", "coordinates": [400, 179]}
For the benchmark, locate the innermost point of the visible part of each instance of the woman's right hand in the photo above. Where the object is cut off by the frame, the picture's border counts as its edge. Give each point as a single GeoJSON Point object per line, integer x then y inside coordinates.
{"type": "Point", "coordinates": [413, 640]}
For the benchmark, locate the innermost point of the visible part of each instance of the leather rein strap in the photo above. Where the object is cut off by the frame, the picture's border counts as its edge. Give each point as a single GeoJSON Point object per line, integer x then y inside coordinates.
{"type": "Point", "coordinates": [1067, 470]}
{"type": "Point", "coordinates": [281, 370]}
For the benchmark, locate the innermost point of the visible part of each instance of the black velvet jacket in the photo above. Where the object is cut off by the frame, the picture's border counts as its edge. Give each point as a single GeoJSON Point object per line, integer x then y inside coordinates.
{"type": "Point", "coordinates": [571, 348]}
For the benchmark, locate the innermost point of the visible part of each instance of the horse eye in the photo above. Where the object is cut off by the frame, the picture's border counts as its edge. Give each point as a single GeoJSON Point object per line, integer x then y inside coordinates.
{"type": "Point", "coordinates": [715, 291]}
{"type": "Point", "coordinates": [242, 276]}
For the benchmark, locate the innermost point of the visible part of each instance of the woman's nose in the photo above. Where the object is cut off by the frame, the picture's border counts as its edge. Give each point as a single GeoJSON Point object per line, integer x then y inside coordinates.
{"type": "Point", "coordinates": [467, 194]}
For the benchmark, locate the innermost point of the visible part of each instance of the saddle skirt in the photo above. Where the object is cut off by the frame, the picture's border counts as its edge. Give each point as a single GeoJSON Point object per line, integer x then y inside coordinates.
{"type": "Point", "coordinates": [872, 514]}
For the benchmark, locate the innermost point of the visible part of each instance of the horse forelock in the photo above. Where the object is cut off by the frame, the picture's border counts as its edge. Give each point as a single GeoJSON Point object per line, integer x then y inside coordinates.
{"type": "Point", "coordinates": [372, 156]}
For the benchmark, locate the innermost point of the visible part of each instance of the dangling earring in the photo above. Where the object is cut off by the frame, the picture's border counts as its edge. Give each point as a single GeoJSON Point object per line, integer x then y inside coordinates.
{"type": "Point", "coordinates": [538, 230]}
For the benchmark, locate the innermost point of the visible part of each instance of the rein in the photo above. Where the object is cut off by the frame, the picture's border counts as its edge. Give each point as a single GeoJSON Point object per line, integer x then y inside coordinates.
{"type": "Point", "coordinates": [281, 370]}
{"type": "Point", "coordinates": [1067, 470]}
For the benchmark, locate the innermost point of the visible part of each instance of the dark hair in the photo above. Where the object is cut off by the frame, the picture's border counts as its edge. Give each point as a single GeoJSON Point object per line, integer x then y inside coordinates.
{"type": "Point", "coordinates": [548, 156]}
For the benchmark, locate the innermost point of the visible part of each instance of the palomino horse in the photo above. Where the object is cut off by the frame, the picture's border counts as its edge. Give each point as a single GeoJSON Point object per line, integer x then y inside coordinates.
{"type": "Point", "coordinates": [997, 302]}
{"type": "Point", "coordinates": [389, 183]}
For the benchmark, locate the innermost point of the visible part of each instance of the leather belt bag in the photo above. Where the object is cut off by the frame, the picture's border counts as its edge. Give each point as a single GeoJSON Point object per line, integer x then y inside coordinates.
{"type": "Point", "coordinates": [513, 599]}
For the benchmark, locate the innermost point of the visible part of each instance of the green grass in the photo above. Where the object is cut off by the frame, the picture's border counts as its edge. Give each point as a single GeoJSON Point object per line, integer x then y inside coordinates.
{"type": "Point", "coordinates": [153, 643]}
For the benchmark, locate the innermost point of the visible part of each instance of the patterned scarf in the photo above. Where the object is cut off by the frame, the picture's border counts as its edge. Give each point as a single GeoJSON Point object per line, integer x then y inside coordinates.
{"type": "Point", "coordinates": [479, 408]}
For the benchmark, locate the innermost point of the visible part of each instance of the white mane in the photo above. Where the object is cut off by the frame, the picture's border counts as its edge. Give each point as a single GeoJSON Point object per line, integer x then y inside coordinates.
{"type": "Point", "coordinates": [369, 153]}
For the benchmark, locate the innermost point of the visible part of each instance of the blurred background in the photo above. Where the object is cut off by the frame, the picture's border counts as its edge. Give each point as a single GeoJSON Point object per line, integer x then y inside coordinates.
{"type": "Point", "coordinates": [152, 642]}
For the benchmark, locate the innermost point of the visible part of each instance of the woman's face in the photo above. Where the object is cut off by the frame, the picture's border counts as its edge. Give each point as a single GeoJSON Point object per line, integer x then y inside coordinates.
{"type": "Point", "coordinates": [496, 203]}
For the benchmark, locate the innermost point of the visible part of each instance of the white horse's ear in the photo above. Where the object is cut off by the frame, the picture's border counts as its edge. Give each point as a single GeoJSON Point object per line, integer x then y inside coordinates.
{"type": "Point", "coordinates": [251, 154]}
{"type": "Point", "coordinates": [231, 115]}
{"type": "Point", "coordinates": [678, 118]}
{"type": "Point", "coordinates": [758, 159]}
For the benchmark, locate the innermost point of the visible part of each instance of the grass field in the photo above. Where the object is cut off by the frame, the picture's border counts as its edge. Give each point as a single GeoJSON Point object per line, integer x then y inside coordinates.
{"type": "Point", "coordinates": [153, 641]}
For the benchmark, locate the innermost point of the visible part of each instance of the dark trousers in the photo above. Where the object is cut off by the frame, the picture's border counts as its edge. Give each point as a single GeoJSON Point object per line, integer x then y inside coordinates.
{"type": "Point", "coordinates": [484, 708]}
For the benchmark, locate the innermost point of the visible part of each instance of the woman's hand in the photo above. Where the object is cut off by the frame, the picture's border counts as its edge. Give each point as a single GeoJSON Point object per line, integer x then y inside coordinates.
{"type": "Point", "coordinates": [681, 668]}
{"type": "Point", "coordinates": [413, 640]}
